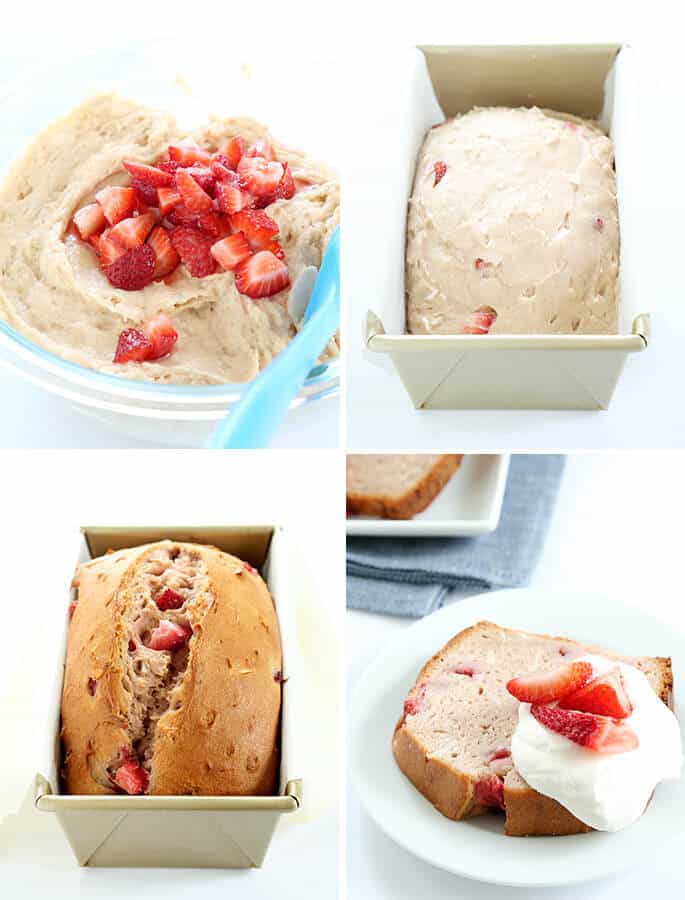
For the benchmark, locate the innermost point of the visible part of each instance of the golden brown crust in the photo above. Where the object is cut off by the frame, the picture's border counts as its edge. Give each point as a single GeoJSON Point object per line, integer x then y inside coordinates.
{"type": "Point", "coordinates": [413, 501]}
{"type": "Point", "coordinates": [452, 791]}
{"type": "Point", "coordinates": [223, 737]}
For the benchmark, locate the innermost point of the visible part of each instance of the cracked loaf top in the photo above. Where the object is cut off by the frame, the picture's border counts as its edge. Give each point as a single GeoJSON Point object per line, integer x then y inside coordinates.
{"type": "Point", "coordinates": [513, 227]}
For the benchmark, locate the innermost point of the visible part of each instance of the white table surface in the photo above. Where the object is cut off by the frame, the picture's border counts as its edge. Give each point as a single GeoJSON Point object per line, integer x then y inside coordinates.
{"type": "Point", "coordinates": [617, 529]}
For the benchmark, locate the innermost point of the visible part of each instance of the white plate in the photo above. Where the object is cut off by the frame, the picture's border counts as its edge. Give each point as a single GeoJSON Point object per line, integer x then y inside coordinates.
{"type": "Point", "coordinates": [469, 504]}
{"type": "Point", "coordinates": [477, 848]}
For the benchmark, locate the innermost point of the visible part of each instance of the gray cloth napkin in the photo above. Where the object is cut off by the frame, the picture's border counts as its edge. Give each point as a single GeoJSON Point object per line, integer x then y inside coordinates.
{"type": "Point", "coordinates": [412, 576]}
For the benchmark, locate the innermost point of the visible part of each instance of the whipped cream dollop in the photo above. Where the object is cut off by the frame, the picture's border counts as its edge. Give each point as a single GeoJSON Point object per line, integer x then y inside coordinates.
{"type": "Point", "coordinates": [607, 791]}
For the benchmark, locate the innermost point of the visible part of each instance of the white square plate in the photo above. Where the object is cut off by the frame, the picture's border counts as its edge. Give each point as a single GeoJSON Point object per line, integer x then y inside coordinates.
{"type": "Point", "coordinates": [469, 504]}
{"type": "Point", "coordinates": [478, 848]}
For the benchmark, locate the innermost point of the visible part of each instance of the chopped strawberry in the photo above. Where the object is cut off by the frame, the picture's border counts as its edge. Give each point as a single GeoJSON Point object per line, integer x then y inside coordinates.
{"type": "Point", "coordinates": [257, 227]}
{"type": "Point", "coordinates": [132, 271]}
{"type": "Point", "coordinates": [189, 155]}
{"type": "Point", "coordinates": [168, 636]}
{"type": "Point", "coordinates": [132, 346]}
{"type": "Point", "coordinates": [598, 223]}
{"type": "Point", "coordinates": [489, 791]}
{"type": "Point", "coordinates": [109, 250]}
{"type": "Point", "coordinates": [233, 150]}
{"type": "Point", "coordinates": [212, 223]}
{"type": "Point", "coordinates": [168, 165]}
{"type": "Point", "coordinates": [204, 177]}
{"type": "Point", "coordinates": [275, 248]}
{"type": "Point", "coordinates": [161, 334]}
{"type": "Point", "coordinates": [168, 198]}
{"type": "Point", "coordinates": [94, 241]}
{"type": "Point", "coordinates": [414, 704]}
{"type": "Point", "coordinates": [286, 186]}
{"type": "Point", "coordinates": [146, 194]}
{"type": "Point", "coordinates": [72, 609]}
{"type": "Point", "coordinates": [181, 215]}
{"type": "Point", "coordinates": [195, 199]}
{"type": "Point", "coordinates": [231, 199]}
{"type": "Point", "coordinates": [248, 568]}
{"type": "Point", "coordinates": [604, 696]}
{"type": "Point", "coordinates": [259, 176]}
{"type": "Point", "coordinates": [166, 258]}
{"type": "Point", "coordinates": [148, 174]}
{"type": "Point", "coordinates": [231, 251]}
{"type": "Point", "coordinates": [543, 687]}
{"type": "Point", "coordinates": [131, 777]}
{"type": "Point", "coordinates": [169, 599]}
{"type": "Point", "coordinates": [194, 248]}
{"type": "Point", "coordinates": [262, 275]}
{"type": "Point", "coordinates": [89, 220]}
{"type": "Point", "coordinates": [132, 232]}
{"type": "Point", "coordinates": [469, 669]}
{"type": "Point", "coordinates": [221, 168]}
{"type": "Point", "coordinates": [480, 321]}
{"type": "Point", "coordinates": [598, 733]}
{"type": "Point", "coordinates": [117, 203]}
{"type": "Point", "coordinates": [262, 147]}
{"type": "Point", "coordinates": [439, 169]}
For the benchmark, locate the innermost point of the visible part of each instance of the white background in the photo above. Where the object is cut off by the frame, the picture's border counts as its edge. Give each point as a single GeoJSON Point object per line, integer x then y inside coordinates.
{"type": "Point", "coordinates": [616, 530]}
{"type": "Point", "coordinates": [51, 494]}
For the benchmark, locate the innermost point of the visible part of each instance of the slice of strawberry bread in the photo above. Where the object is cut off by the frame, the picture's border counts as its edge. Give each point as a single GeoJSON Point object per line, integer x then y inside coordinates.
{"type": "Point", "coordinates": [453, 739]}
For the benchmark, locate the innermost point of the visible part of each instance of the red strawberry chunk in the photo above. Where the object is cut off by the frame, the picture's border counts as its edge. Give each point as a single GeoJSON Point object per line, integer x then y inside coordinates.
{"type": "Point", "coordinates": [262, 275]}
{"type": "Point", "coordinates": [168, 165]}
{"type": "Point", "coordinates": [258, 228]}
{"type": "Point", "coordinates": [148, 174]}
{"type": "Point", "coordinates": [166, 258]}
{"type": "Point", "coordinates": [259, 176]}
{"type": "Point", "coordinates": [604, 696]}
{"type": "Point", "coordinates": [598, 733]}
{"type": "Point", "coordinates": [231, 251]}
{"type": "Point", "coordinates": [169, 599]}
{"type": "Point", "coordinates": [212, 223]}
{"type": "Point", "coordinates": [415, 703]}
{"type": "Point", "coordinates": [132, 346]}
{"type": "Point", "coordinates": [204, 177]}
{"type": "Point", "coordinates": [195, 199]}
{"type": "Point", "coordinates": [543, 687]}
{"type": "Point", "coordinates": [117, 203]}
{"type": "Point", "coordinates": [131, 777]}
{"type": "Point", "coordinates": [109, 250]}
{"type": "Point", "coordinates": [275, 248]}
{"type": "Point", "coordinates": [480, 321]}
{"type": "Point", "coordinates": [132, 271]}
{"type": "Point", "coordinates": [194, 248]}
{"type": "Point", "coordinates": [132, 232]}
{"type": "Point", "coordinates": [72, 609]}
{"type": "Point", "coordinates": [161, 334]}
{"type": "Point", "coordinates": [232, 150]}
{"type": "Point", "coordinates": [598, 223]}
{"type": "Point", "coordinates": [489, 791]}
{"type": "Point", "coordinates": [189, 155]}
{"type": "Point", "coordinates": [262, 147]}
{"type": "Point", "coordinates": [168, 636]}
{"type": "Point", "coordinates": [231, 199]}
{"type": "Point", "coordinates": [167, 199]}
{"type": "Point", "coordinates": [90, 220]}
{"type": "Point", "coordinates": [286, 186]}
{"type": "Point", "coordinates": [439, 169]}
{"type": "Point", "coordinates": [146, 194]}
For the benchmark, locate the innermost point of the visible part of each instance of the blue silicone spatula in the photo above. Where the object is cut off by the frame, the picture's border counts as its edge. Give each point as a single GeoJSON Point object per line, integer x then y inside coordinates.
{"type": "Point", "coordinates": [254, 420]}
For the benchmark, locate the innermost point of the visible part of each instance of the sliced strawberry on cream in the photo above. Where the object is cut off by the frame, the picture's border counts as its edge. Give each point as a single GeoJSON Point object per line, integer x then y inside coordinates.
{"type": "Point", "coordinates": [231, 198]}
{"type": "Point", "coordinates": [544, 687]}
{"type": "Point", "coordinates": [263, 147]}
{"type": "Point", "coordinates": [189, 154]}
{"type": "Point", "coordinates": [162, 336]}
{"type": "Point", "coordinates": [132, 232]}
{"type": "Point", "coordinates": [133, 346]}
{"type": "Point", "coordinates": [90, 220]}
{"type": "Point", "coordinates": [233, 150]}
{"type": "Point", "coordinates": [260, 176]}
{"type": "Point", "coordinates": [259, 228]}
{"type": "Point", "coordinates": [194, 197]}
{"type": "Point", "coordinates": [134, 270]}
{"type": "Point", "coordinates": [117, 203]}
{"type": "Point", "coordinates": [194, 248]}
{"type": "Point", "coordinates": [598, 733]}
{"type": "Point", "coordinates": [167, 199]}
{"type": "Point", "coordinates": [231, 251]}
{"type": "Point", "coordinates": [604, 696]}
{"type": "Point", "coordinates": [166, 258]}
{"type": "Point", "coordinates": [148, 174]}
{"type": "Point", "coordinates": [262, 275]}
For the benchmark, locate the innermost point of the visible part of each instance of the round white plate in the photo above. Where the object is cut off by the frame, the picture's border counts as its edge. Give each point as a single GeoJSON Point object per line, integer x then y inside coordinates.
{"type": "Point", "coordinates": [478, 848]}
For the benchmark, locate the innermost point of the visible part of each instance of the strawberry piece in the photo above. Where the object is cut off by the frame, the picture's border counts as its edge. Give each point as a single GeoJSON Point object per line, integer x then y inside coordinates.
{"type": "Point", "coordinates": [598, 223]}
{"type": "Point", "coordinates": [89, 220]}
{"type": "Point", "coordinates": [146, 194]}
{"type": "Point", "coordinates": [132, 271]}
{"type": "Point", "coordinates": [262, 275]}
{"type": "Point", "coordinates": [222, 168]}
{"type": "Point", "coordinates": [131, 777]}
{"type": "Point", "coordinates": [415, 703]}
{"type": "Point", "coordinates": [286, 186]}
{"type": "Point", "coordinates": [543, 687]}
{"type": "Point", "coordinates": [262, 147]}
{"type": "Point", "coordinates": [231, 199]}
{"type": "Point", "coordinates": [161, 334]}
{"type": "Point", "coordinates": [189, 155]}
{"type": "Point", "coordinates": [259, 176]}
{"type": "Point", "coordinates": [167, 199]}
{"type": "Point", "coordinates": [213, 224]}
{"type": "Point", "coordinates": [258, 228]}
{"type": "Point", "coordinates": [169, 599]}
{"type": "Point", "coordinates": [251, 569]}
{"type": "Point", "coordinates": [230, 252]}
{"type": "Point", "coordinates": [181, 215]}
{"type": "Point", "coordinates": [275, 248]}
{"type": "Point", "coordinates": [489, 791]}
{"type": "Point", "coordinates": [166, 258]}
{"type": "Point", "coordinates": [132, 232]}
{"type": "Point", "coordinates": [604, 696]}
{"type": "Point", "coordinates": [168, 165]}
{"type": "Point", "coordinates": [72, 609]}
{"type": "Point", "coordinates": [204, 177]}
{"type": "Point", "coordinates": [480, 321]}
{"type": "Point", "coordinates": [195, 199]}
{"type": "Point", "coordinates": [109, 251]}
{"type": "Point", "coordinates": [232, 150]}
{"type": "Point", "coordinates": [148, 174]}
{"type": "Point", "coordinates": [132, 346]}
{"type": "Point", "coordinates": [117, 203]}
{"type": "Point", "coordinates": [597, 733]}
{"type": "Point", "coordinates": [194, 248]}
{"type": "Point", "coordinates": [468, 669]}
{"type": "Point", "coordinates": [439, 169]}
{"type": "Point", "coordinates": [168, 636]}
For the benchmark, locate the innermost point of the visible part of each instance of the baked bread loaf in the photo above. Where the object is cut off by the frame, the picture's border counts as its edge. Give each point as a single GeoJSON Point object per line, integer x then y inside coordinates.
{"type": "Point", "coordinates": [513, 227]}
{"type": "Point", "coordinates": [172, 683]}
{"type": "Point", "coordinates": [396, 486]}
{"type": "Point", "coordinates": [453, 740]}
